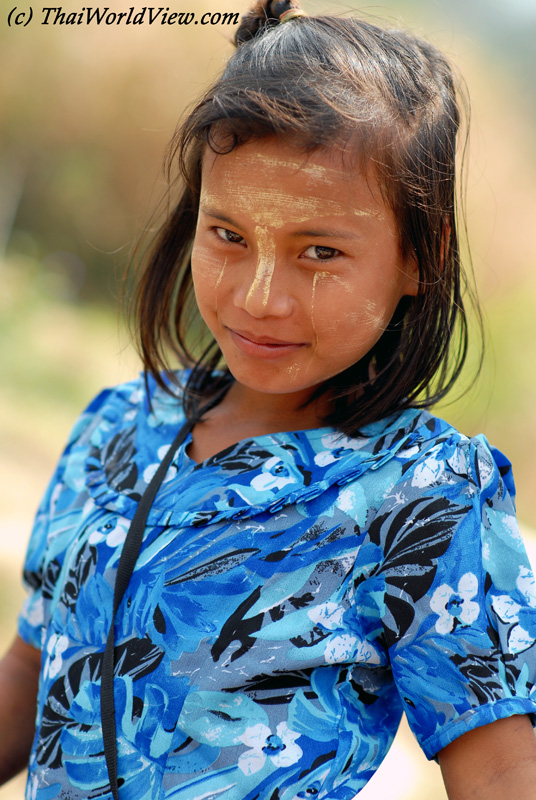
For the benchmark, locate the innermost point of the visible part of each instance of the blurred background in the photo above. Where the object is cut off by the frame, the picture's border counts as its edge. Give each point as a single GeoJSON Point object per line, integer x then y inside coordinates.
{"type": "Point", "coordinates": [85, 115]}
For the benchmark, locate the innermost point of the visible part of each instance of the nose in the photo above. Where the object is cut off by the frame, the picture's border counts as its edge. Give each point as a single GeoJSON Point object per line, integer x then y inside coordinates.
{"type": "Point", "coordinates": [265, 295]}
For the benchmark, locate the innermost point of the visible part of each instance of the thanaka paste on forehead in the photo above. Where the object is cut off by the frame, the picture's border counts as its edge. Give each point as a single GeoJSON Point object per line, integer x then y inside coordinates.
{"type": "Point", "coordinates": [275, 208]}
{"type": "Point", "coordinates": [271, 181]}
{"type": "Point", "coordinates": [316, 171]}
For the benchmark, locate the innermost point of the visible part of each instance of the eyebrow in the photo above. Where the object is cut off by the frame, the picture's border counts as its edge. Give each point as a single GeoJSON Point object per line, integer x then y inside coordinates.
{"type": "Point", "coordinates": [214, 212]}
{"type": "Point", "coordinates": [325, 233]}
{"type": "Point", "coordinates": [316, 233]}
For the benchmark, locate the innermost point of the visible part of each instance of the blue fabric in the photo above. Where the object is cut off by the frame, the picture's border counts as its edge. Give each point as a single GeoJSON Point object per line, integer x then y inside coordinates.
{"type": "Point", "coordinates": [293, 596]}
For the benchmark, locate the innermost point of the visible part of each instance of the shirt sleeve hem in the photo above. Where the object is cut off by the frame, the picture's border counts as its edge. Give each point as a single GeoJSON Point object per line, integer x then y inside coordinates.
{"type": "Point", "coordinates": [476, 718]}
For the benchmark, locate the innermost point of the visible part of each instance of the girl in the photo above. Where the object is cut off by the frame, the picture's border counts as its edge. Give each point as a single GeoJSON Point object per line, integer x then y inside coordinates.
{"type": "Point", "coordinates": [245, 608]}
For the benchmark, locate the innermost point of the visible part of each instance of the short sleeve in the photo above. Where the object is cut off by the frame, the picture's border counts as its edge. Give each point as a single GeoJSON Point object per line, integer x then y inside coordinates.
{"type": "Point", "coordinates": [43, 555]}
{"type": "Point", "coordinates": [460, 596]}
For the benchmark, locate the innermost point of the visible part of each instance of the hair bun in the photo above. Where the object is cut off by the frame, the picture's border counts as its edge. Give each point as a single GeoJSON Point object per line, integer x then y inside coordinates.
{"type": "Point", "coordinates": [264, 14]}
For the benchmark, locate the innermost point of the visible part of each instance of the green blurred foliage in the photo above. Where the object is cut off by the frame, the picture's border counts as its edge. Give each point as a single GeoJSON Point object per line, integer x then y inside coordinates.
{"type": "Point", "coordinates": [85, 116]}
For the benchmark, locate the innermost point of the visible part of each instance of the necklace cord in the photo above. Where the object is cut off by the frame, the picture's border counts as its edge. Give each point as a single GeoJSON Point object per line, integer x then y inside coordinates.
{"type": "Point", "coordinates": [125, 568]}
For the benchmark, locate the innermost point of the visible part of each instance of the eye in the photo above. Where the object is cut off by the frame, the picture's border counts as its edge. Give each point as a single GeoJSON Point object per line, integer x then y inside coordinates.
{"type": "Point", "coordinates": [320, 253]}
{"type": "Point", "coordinates": [229, 236]}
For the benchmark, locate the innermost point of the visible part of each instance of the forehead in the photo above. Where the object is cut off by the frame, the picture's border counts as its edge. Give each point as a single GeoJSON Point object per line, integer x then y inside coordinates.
{"type": "Point", "coordinates": [275, 175]}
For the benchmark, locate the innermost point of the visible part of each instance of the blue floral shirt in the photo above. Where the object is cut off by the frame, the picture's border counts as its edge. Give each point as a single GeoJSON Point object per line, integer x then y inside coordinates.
{"type": "Point", "coordinates": [294, 595]}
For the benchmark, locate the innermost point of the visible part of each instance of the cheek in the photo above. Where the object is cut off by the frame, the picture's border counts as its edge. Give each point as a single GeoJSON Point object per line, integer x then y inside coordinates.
{"type": "Point", "coordinates": [208, 271]}
{"type": "Point", "coordinates": [207, 275]}
{"type": "Point", "coordinates": [342, 319]}
{"type": "Point", "coordinates": [205, 264]}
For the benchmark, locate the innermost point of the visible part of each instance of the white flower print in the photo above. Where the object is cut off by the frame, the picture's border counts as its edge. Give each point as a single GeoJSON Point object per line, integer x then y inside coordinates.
{"type": "Point", "coordinates": [329, 615]}
{"type": "Point", "coordinates": [455, 607]}
{"type": "Point", "coordinates": [337, 446]}
{"type": "Point", "coordinates": [56, 646]}
{"type": "Point", "coordinates": [527, 585]}
{"type": "Point", "coordinates": [508, 612]}
{"type": "Point", "coordinates": [352, 501]}
{"type": "Point", "coordinates": [149, 472]}
{"type": "Point", "coordinates": [34, 611]}
{"type": "Point", "coordinates": [280, 748]}
{"type": "Point", "coordinates": [275, 475]}
{"type": "Point", "coordinates": [457, 460]}
{"type": "Point", "coordinates": [429, 472]}
{"type": "Point", "coordinates": [344, 648]}
{"type": "Point", "coordinates": [112, 532]}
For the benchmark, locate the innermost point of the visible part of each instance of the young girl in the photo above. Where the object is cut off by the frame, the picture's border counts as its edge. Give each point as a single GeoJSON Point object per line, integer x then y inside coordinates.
{"type": "Point", "coordinates": [243, 574]}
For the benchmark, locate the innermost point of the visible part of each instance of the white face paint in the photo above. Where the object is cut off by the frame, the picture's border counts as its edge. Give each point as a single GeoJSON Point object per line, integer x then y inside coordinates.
{"type": "Point", "coordinates": [269, 207]}
{"type": "Point", "coordinates": [265, 265]}
{"type": "Point", "coordinates": [271, 210]}
{"type": "Point", "coordinates": [312, 267]}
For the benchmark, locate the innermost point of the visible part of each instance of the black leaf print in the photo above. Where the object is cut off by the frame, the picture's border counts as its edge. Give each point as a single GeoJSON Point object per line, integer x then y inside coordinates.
{"type": "Point", "coordinates": [302, 601]}
{"type": "Point", "coordinates": [118, 460]}
{"type": "Point", "coordinates": [480, 672]}
{"type": "Point", "coordinates": [203, 518]}
{"type": "Point", "coordinates": [240, 458]}
{"type": "Point", "coordinates": [413, 538]}
{"type": "Point", "coordinates": [159, 620]}
{"type": "Point", "coordinates": [136, 658]}
{"type": "Point", "coordinates": [277, 613]}
{"type": "Point", "coordinates": [217, 566]}
{"type": "Point", "coordinates": [32, 579]}
{"type": "Point", "coordinates": [276, 688]}
{"type": "Point", "coordinates": [56, 712]}
{"type": "Point", "coordinates": [307, 475]}
{"type": "Point", "coordinates": [236, 628]}
{"type": "Point", "coordinates": [314, 637]}
{"type": "Point", "coordinates": [79, 573]}
{"type": "Point", "coordinates": [50, 577]}
{"type": "Point", "coordinates": [399, 618]}
{"type": "Point", "coordinates": [367, 698]}
{"type": "Point", "coordinates": [137, 707]}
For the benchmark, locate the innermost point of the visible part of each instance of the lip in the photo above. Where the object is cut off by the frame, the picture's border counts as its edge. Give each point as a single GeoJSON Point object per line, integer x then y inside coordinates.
{"type": "Point", "coordinates": [263, 346]}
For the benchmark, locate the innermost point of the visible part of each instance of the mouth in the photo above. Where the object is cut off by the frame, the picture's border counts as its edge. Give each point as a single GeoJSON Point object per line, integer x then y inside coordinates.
{"type": "Point", "coordinates": [263, 346]}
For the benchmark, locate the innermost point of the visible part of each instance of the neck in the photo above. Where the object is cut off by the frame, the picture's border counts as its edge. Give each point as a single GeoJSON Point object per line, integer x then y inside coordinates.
{"type": "Point", "coordinates": [261, 412]}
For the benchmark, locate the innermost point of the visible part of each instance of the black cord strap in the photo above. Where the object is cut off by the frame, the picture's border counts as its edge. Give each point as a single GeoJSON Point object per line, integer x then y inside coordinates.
{"type": "Point", "coordinates": [127, 562]}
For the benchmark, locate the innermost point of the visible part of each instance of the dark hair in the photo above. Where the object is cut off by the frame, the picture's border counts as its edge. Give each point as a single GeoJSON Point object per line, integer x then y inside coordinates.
{"type": "Point", "coordinates": [390, 98]}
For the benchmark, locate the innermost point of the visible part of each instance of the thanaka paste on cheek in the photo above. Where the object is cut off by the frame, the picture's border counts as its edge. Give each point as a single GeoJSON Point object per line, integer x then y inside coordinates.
{"type": "Point", "coordinates": [206, 263]}
{"type": "Point", "coordinates": [216, 287]}
{"type": "Point", "coordinates": [316, 277]}
{"type": "Point", "coordinates": [294, 370]}
{"type": "Point", "coordinates": [373, 317]}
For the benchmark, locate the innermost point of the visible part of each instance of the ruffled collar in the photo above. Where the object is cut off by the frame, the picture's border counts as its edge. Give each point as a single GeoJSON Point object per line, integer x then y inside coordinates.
{"type": "Point", "coordinates": [258, 475]}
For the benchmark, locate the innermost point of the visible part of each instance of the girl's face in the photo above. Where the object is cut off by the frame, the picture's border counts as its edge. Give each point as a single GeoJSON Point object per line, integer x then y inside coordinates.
{"type": "Point", "coordinates": [296, 264]}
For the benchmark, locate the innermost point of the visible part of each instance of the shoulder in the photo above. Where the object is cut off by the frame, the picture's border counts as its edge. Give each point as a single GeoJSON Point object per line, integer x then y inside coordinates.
{"type": "Point", "coordinates": [138, 401]}
{"type": "Point", "coordinates": [438, 455]}
{"type": "Point", "coordinates": [418, 467]}
{"type": "Point", "coordinates": [106, 428]}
